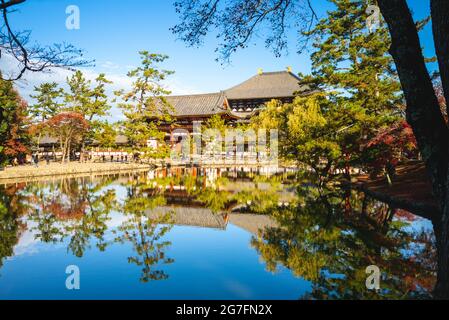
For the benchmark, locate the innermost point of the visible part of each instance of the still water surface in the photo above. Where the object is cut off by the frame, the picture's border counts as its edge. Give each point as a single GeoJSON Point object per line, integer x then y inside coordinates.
{"type": "Point", "coordinates": [206, 234]}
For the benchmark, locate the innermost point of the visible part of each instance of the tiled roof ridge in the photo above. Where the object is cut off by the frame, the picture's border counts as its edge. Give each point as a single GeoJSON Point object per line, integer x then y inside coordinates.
{"type": "Point", "coordinates": [263, 74]}
{"type": "Point", "coordinates": [195, 94]}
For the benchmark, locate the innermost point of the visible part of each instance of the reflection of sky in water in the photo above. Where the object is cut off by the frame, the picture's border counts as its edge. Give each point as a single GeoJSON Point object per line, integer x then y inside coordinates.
{"type": "Point", "coordinates": [418, 225]}
{"type": "Point", "coordinates": [208, 264]}
{"type": "Point", "coordinates": [28, 244]}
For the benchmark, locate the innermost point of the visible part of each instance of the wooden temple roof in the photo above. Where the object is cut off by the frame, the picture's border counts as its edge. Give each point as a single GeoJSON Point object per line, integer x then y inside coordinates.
{"type": "Point", "coordinates": [263, 87]}
{"type": "Point", "coordinates": [199, 217]}
{"type": "Point", "coordinates": [205, 218]}
{"type": "Point", "coordinates": [198, 104]}
{"type": "Point", "coordinates": [268, 85]}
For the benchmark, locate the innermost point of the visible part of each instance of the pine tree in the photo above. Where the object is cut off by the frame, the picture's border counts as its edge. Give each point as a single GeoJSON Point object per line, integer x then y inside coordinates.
{"type": "Point", "coordinates": [91, 102]}
{"type": "Point", "coordinates": [104, 134]}
{"type": "Point", "coordinates": [78, 97]}
{"type": "Point", "coordinates": [88, 101]}
{"type": "Point", "coordinates": [48, 104]}
{"type": "Point", "coordinates": [355, 94]}
{"type": "Point", "coordinates": [145, 106]}
{"type": "Point", "coordinates": [353, 63]}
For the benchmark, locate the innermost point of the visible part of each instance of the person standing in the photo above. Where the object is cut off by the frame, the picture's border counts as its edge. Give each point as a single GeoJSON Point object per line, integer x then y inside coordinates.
{"type": "Point", "coordinates": [36, 160]}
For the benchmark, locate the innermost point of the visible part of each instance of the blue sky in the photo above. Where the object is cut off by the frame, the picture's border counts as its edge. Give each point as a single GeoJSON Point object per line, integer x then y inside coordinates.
{"type": "Point", "coordinates": [113, 31]}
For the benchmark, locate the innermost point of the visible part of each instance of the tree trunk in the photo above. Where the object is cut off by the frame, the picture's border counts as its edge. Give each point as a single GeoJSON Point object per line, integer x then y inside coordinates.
{"type": "Point", "coordinates": [62, 147]}
{"type": "Point", "coordinates": [54, 152]}
{"type": "Point", "coordinates": [442, 287]}
{"type": "Point", "coordinates": [440, 26]}
{"type": "Point", "coordinates": [440, 16]}
{"type": "Point", "coordinates": [39, 141]}
{"type": "Point", "coordinates": [68, 151]}
{"type": "Point", "coordinates": [423, 110]}
{"type": "Point", "coordinates": [82, 151]}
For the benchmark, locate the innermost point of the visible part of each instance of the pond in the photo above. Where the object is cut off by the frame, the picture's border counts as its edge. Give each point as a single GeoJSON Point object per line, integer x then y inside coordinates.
{"type": "Point", "coordinates": [206, 234]}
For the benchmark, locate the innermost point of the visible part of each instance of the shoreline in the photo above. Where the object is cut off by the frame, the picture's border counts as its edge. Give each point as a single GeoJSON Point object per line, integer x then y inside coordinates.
{"type": "Point", "coordinates": [411, 190]}
{"type": "Point", "coordinates": [28, 173]}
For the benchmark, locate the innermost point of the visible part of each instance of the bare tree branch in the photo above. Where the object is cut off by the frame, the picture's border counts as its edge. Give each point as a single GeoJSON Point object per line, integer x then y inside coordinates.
{"type": "Point", "coordinates": [34, 58]}
{"type": "Point", "coordinates": [5, 5]}
{"type": "Point", "coordinates": [237, 22]}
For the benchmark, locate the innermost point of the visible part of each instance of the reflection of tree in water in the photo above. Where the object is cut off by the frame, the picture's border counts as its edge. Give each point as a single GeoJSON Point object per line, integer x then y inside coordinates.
{"type": "Point", "coordinates": [12, 208]}
{"type": "Point", "coordinates": [258, 199]}
{"type": "Point", "coordinates": [252, 198]}
{"type": "Point", "coordinates": [327, 237]}
{"type": "Point", "coordinates": [99, 202]}
{"type": "Point", "coordinates": [259, 194]}
{"type": "Point", "coordinates": [143, 233]}
{"type": "Point", "coordinates": [319, 241]}
{"type": "Point", "coordinates": [9, 229]}
{"type": "Point", "coordinates": [78, 209]}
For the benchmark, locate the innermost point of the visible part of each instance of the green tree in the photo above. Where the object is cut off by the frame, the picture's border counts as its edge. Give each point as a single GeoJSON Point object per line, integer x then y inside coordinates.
{"type": "Point", "coordinates": [356, 93]}
{"type": "Point", "coordinates": [216, 122]}
{"type": "Point", "coordinates": [348, 56]}
{"type": "Point", "coordinates": [91, 102]}
{"type": "Point", "coordinates": [353, 63]}
{"type": "Point", "coordinates": [78, 98]}
{"type": "Point", "coordinates": [104, 134]}
{"type": "Point", "coordinates": [101, 131]}
{"type": "Point", "coordinates": [306, 131]}
{"type": "Point", "coordinates": [99, 106]}
{"type": "Point", "coordinates": [145, 106]}
{"type": "Point", "coordinates": [48, 104]}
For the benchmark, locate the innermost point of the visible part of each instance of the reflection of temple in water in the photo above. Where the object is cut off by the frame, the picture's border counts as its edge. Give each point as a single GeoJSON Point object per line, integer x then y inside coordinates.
{"type": "Point", "coordinates": [211, 174]}
{"type": "Point", "coordinates": [205, 218]}
{"type": "Point", "coordinates": [188, 211]}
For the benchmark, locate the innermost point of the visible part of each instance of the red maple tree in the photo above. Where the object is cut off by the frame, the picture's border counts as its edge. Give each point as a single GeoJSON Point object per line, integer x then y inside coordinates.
{"type": "Point", "coordinates": [69, 128]}
{"type": "Point", "coordinates": [389, 147]}
{"type": "Point", "coordinates": [16, 140]}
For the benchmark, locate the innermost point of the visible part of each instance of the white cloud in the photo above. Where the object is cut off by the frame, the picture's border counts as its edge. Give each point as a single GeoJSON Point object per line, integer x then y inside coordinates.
{"type": "Point", "coordinates": [110, 65]}
{"type": "Point", "coordinates": [113, 72]}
